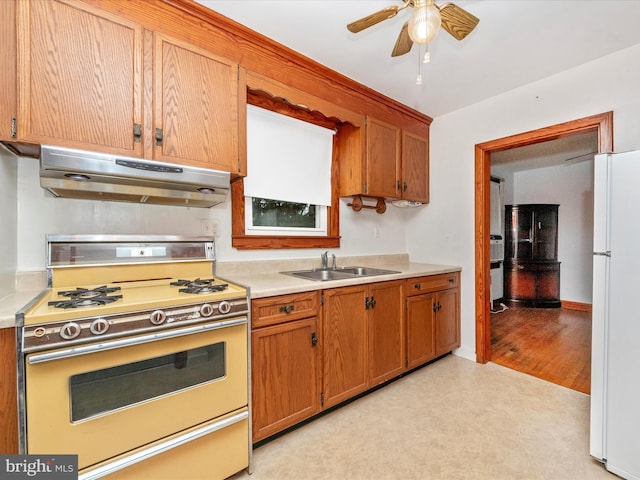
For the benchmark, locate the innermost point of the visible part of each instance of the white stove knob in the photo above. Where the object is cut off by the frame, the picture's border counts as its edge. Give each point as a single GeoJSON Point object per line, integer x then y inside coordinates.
{"type": "Point", "coordinates": [206, 310]}
{"type": "Point", "coordinates": [157, 317]}
{"type": "Point", "coordinates": [224, 307]}
{"type": "Point", "coordinates": [70, 330]}
{"type": "Point", "coordinates": [99, 326]}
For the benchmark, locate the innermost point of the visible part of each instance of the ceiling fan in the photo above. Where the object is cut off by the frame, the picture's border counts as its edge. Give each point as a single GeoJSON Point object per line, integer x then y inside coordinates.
{"type": "Point", "coordinates": [425, 21]}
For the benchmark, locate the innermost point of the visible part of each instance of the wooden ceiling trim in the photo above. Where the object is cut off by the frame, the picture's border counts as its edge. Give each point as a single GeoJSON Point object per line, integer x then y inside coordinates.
{"type": "Point", "coordinates": [301, 100]}
{"type": "Point", "coordinates": [205, 28]}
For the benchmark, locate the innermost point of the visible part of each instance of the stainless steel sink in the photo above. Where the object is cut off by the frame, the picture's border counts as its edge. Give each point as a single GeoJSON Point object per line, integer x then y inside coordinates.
{"type": "Point", "coordinates": [340, 273]}
{"type": "Point", "coordinates": [366, 271]}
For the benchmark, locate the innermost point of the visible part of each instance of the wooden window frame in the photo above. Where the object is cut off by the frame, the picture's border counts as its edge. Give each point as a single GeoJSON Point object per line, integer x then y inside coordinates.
{"type": "Point", "coordinates": [239, 239]}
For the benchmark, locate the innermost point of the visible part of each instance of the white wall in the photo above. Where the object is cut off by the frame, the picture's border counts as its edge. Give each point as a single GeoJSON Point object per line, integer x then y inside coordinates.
{"type": "Point", "coordinates": [444, 230]}
{"type": "Point", "coordinates": [571, 187]}
{"type": "Point", "coordinates": [39, 214]}
{"type": "Point", "coordinates": [8, 222]}
{"type": "Point", "coordinates": [441, 232]}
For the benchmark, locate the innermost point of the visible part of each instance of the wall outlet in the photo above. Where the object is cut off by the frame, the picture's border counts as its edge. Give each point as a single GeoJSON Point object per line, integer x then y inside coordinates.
{"type": "Point", "coordinates": [376, 232]}
{"type": "Point", "coordinates": [210, 228]}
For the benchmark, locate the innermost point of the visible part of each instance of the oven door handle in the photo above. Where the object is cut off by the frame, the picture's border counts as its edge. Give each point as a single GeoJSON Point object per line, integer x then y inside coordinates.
{"type": "Point", "coordinates": [126, 342]}
{"type": "Point", "coordinates": [150, 452]}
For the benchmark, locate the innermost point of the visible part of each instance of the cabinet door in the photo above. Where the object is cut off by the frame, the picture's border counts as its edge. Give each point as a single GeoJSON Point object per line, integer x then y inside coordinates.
{"type": "Point", "coordinates": [447, 325]}
{"type": "Point", "coordinates": [386, 331]}
{"type": "Point", "coordinates": [8, 73]}
{"type": "Point", "coordinates": [545, 222]}
{"type": "Point", "coordinates": [80, 77]}
{"type": "Point", "coordinates": [196, 114]}
{"type": "Point", "coordinates": [420, 329]}
{"type": "Point", "coordinates": [284, 376]}
{"type": "Point", "coordinates": [523, 233]}
{"type": "Point", "coordinates": [8, 392]}
{"type": "Point", "coordinates": [415, 168]}
{"type": "Point", "coordinates": [345, 343]}
{"type": "Point", "coordinates": [383, 159]}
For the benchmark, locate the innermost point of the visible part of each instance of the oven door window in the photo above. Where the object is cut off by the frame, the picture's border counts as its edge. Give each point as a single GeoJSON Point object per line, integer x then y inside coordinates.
{"type": "Point", "coordinates": [102, 391]}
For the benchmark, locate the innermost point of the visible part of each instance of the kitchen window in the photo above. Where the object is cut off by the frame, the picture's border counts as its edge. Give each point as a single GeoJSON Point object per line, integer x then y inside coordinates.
{"type": "Point", "coordinates": [277, 217]}
{"type": "Point", "coordinates": [247, 234]}
{"type": "Point", "coordinates": [288, 187]}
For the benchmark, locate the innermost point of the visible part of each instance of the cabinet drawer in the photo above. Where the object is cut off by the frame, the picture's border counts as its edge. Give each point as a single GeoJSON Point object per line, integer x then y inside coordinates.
{"type": "Point", "coordinates": [432, 283]}
{"type": "Point", "coordinates": [284, 308]}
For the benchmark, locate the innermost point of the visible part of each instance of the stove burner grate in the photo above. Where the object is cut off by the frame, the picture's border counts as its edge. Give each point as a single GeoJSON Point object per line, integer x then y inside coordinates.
{"type": "Point", "coordinates": [199, 285]}
{"type": "Point", "coordinates": [84, 302]}
{"type": "Point", "coordinates": [85, 297]}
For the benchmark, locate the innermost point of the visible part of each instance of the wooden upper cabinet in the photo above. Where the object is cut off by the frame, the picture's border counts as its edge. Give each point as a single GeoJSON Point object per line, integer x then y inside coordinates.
{"type": "Point", "coordinates": [92, 80]}
{"type": "Point", "coordinates": [382, 171]}
{"type": "Point", "coordinates": [385, 161]}
{"type": "Point", "coordinates": [79, 77]}
{"type": "Point", "coordinates": [415, 167]}
{"type": "Point", "coordinates": [197, 117]}
{"type": "Point", "coordinates": [8, 73]}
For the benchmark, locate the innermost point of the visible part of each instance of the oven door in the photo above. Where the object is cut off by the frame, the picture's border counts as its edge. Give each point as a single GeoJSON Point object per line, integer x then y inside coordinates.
{"type": "Point", "coordinates": [101, 400]}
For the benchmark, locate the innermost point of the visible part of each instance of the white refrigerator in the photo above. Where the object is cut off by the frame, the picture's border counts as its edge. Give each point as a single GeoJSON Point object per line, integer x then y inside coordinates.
{"type": "Point", "coordinates": [615, 359]}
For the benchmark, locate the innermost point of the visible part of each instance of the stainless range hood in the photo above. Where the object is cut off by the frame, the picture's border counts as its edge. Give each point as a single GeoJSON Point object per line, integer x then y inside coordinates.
{"type": "Point", "coordinates": [72, 173]}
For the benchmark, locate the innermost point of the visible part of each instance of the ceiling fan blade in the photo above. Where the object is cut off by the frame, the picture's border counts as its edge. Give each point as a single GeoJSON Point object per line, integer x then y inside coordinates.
{"type": "Point", "coordinates": [457, 21]}
{"type": "Point", "coordinates": [403, 43]}
{"type": "Point", "coordinates": [374, 18]}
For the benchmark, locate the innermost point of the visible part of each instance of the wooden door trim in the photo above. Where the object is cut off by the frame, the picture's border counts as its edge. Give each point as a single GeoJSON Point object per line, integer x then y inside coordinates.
{"type": "Point", "coordinates": [600, 123]}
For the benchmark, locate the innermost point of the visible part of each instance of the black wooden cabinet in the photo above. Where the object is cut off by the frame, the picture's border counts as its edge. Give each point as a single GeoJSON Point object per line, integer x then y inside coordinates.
{"type": "Point", "coordinates": [531, 267]}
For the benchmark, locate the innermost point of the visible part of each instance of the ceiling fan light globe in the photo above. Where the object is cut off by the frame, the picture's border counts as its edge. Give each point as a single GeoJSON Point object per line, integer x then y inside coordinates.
{"type": "Point", "coordinates": [424, 23]}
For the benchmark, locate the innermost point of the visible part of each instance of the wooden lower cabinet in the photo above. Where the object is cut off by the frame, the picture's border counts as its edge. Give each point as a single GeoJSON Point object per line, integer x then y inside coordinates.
{"type": "Point", "coordinates": [386, 332]}
{"type": "Point", "coordinates": [420, 329]}
{"type": "Point", "coordinates": [8, 392]}
{"type": "Point", "coordinates": [284, 362]}
{"type": "Point", "coordinates": [362, 338]}
{"type": "Point", "coordinates": [433, 317]}
{"type": "Point", "coordinates": [310, 354]}
{"type": "Point", "coordinates": [447, 321]}
{"type": "Point", "coordinates": [344, 343]}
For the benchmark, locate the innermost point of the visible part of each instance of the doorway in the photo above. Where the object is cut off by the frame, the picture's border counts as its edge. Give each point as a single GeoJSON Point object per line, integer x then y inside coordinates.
{"type": "Point", "coordinates": [601, 123]}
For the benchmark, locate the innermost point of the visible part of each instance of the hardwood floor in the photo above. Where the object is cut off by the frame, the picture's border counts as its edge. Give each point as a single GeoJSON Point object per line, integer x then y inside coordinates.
{"type": "Point", "coordinates": [553, 344]}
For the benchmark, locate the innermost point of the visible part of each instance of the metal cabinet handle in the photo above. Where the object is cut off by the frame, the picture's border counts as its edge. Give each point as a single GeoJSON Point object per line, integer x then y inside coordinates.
{"type": "Point", "coordinates": [159, 137]}
{"type": "Point", "coordinates": [137, 132]}
{"type": "Point", "coordinates": [287, 308]}
{"type": "Point", "coordinates": [417, 286]}
{"type": "Point", "coordinates": [314, 339]}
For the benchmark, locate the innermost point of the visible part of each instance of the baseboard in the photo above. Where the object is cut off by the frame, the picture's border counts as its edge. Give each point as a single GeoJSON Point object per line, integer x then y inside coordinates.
{"type": "Point", "coordinates": [582, 307]}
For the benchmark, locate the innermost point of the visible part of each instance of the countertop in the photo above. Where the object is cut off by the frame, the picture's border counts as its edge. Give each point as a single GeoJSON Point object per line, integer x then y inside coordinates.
{"type": "Point", "coordinates": [271, 284]}
{"type": "Point", "coordinates": [261, 277]}
{"type": "Point", "coordinates": [12, 303]}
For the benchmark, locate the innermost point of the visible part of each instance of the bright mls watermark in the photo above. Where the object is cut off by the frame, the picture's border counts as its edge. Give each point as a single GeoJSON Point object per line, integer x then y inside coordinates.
{"type": "Point", "coordinates": [49, 467]}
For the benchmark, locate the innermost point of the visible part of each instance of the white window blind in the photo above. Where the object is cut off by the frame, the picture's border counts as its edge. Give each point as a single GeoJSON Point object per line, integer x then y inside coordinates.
{"type": "Point", "coordinates": [287, 159]}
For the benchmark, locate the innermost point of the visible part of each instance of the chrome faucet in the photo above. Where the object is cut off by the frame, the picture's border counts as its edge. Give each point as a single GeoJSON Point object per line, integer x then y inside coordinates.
{"type": "Point", "coordinates": [325, 259]}
{"type": "Point", "coordinates": [333, 261]}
